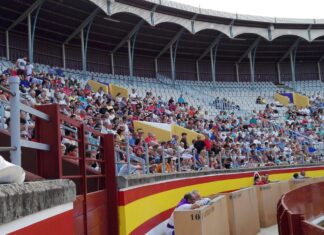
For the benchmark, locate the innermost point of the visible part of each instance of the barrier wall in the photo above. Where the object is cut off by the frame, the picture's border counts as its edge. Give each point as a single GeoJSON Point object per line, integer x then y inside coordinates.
{"type": "Point", "coordinates": [282, 99]}
{"type": "Point", "coordinates": [207, 220]}
{"type": "Point", "coordinates": [95, 86]}
{"type": "Point", "coordinates": [191, 135]}
{"type": "Point", "coordinates": [319, 179]}
{"type": "Point", "coordinates": [161, 134]}
{"type": "Point", "coordinates": [293, 184]}
{"type": "Point", "coordinates": [298, 208]}
{"type": "Point", "coordinates": [40, 207]}
{"type": "Point", "coordinates": [268, 197]}
{"type": "Point", "coordinates": [165, 134]}
{"type": "Point", "coordinates": [156, 201]}
{"type": "Point", "coordinates": [115, 89]}
{"type": "Point", "coordinates": [240, 204]}
{"type": "Point", "coordinates": [301, 101]}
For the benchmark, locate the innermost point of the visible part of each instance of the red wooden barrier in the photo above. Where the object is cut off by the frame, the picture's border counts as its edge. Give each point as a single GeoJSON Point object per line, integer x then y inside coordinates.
{"type": "Point", "coordinates": [298, 207]}
{"type": "Point", "coordinates": [95, 209]}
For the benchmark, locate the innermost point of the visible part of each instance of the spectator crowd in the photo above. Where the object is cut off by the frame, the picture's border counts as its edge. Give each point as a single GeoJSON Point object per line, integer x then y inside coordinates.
{"type": "Point", "coordinates": [230, 141]}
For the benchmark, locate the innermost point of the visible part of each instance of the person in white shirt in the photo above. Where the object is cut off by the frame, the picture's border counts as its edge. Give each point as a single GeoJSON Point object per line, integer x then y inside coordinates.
{"type": "Point", "coordinates": [133, 95]}
{"type": "Point", "coordinates": [198, 200]}
{"type": "Point", "coordinates": [32, 97]}
{"type": "Point", "coordinates": [133, 98]}
{"type": "Point", "coordinates": [29, 69]}
{"type": "Point", "coordinates": [100, 92]}
{"type": "Point", "coordinates": [21, 65]}
{"type": "Point", "coordinates": [107, 128]}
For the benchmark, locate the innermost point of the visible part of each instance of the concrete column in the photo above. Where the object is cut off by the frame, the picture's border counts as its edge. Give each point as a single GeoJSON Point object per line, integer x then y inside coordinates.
{"type": "Point", "coordinates": [251, 67]}
{"type": "Point", "coordinates": [7, 46]}
{"type": "Point", "coordinates": [172, 64]}
{"type": "Point", "coordinates": [212, 65]}
{"type": "Point", "coordinates": [319, 71]}
{"type": "Point", "coordinates": [156, 67]}
{"type": "Point", "coordinates": [30, 46]}
{"type": "Point", "coordinates": [130, 61]}
{"type": "Point", "coordinates": [197, 70]}
{"type": "Point", "coordinates": [112, 63]}
{"type": "Point", "coordinates": [84, 59]}
{"type": "Point", "coordinates": [292, 66]}
{"type": "Point", "coordinates": [279, 73]}
{"type": "Point", "coordinates": [63, 56]}
{"type": "Point", "coordinates": [237, 72]}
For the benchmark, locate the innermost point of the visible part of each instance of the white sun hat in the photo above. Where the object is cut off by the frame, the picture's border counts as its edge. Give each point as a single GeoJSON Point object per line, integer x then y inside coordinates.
{"type": "Point", "coordinates": [10, 173]}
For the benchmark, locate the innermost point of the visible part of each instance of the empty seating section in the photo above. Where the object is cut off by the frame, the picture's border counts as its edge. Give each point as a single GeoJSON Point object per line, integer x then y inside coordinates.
{"type": "Point", "coordinates": [309, 88]}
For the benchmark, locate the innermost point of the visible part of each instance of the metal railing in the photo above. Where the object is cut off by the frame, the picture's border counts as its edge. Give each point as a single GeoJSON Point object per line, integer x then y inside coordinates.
{"type": "Point", "coordinates": [130, 162]}
{"type": "Point", "coordinates": [15, 107]}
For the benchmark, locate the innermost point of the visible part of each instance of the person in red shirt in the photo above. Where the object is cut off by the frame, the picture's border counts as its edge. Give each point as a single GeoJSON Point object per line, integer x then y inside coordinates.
{"type": "Point", "coordinates": [151, 138]}
{"type": "Point", "coordinates": [150, 107]}
{"type": "Point", "coordinates": [207, 142]}
{"type": "Point", "coordinates": [172, 107]}
{"type": "Point", "coordinates": [260, 180]}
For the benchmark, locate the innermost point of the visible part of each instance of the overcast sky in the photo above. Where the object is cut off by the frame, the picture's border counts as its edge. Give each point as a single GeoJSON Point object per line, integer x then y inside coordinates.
{"type": "Point", "coordinates": [311, 9]}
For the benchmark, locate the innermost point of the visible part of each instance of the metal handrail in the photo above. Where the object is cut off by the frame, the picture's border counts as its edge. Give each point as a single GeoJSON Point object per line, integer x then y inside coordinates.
{"type": "Point", "coordinates": [6, 90]}
{"type": "Point", "coordinates": [7, 149]}
{"type": "Point", "coordinates": [15, 107]}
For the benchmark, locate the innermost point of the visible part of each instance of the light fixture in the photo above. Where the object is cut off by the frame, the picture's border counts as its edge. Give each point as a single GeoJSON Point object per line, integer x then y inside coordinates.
{"type": "Point", "coordinates": [238, 39]}
{"type": "Point", "coordinates": [108, 18]}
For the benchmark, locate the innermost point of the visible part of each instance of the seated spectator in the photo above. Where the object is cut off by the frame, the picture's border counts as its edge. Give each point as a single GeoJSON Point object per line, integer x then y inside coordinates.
{"type": "Point", "coordinates": [181, 100]}
{"type": "Point", "coordinates": [21, 65]}
{"type": "Point", "coordinates": [258, 100]}
{"type": "Point", "coordinates": [260, 180]}
{"type": "Point", "coordinates": [184, 140]}
{"type": "Point", "coordinates": [199, 200]}
{"type": "Point", "coordinates": [72, 151]}
{"type": "Point", "coordinates": [134, 168]}
{"type": "Point", "coordinates": [151, 138]}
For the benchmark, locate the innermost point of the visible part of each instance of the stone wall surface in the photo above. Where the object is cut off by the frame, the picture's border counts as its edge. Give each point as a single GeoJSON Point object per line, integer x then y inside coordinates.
{"type": "Point", "coordinates": [19, 200]}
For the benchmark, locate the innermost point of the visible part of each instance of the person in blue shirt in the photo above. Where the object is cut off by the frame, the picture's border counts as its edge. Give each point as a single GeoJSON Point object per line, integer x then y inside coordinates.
{"type": "Point", "coordinates": [181, 100]}
{"type": "Point", "coordinates": [282, 144]}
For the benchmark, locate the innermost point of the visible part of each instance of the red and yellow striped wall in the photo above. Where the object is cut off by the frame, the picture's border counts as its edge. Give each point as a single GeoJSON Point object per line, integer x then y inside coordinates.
{"type": "Point", "coordinates": [143, 207]}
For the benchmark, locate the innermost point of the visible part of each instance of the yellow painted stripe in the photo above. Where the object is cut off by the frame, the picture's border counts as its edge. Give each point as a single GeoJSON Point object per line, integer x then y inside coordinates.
{"type": "Point", "coordinates": [138, 212]}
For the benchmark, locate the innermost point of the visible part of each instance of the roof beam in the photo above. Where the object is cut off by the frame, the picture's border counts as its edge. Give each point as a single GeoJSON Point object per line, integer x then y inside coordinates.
{"type": "Point", "coordinates": [131, 33]}
{"type": "Point", "coordinates": [128, 36]}
{"type": "Point", "coordinates": [246, 53]}
{"type": "Point", "coordinates": [212, 45]}
{"type": "Point", "coordinates": [25, 14]}
{"type": "Point", "coordinates": [292, 47]}
{"type": "Point", "coordinates": [174, 39]}
{"type": "Point", "coordinates": [82, 25]}
{"type": "Point", "coordinates": [170, 43]}
{"type": "Point", "coordinates": [321, 59]}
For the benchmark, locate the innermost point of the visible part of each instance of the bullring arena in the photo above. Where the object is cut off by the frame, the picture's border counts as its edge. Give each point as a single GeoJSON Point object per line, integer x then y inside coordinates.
{"type": "Point", "coordinates": [156, 117]}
